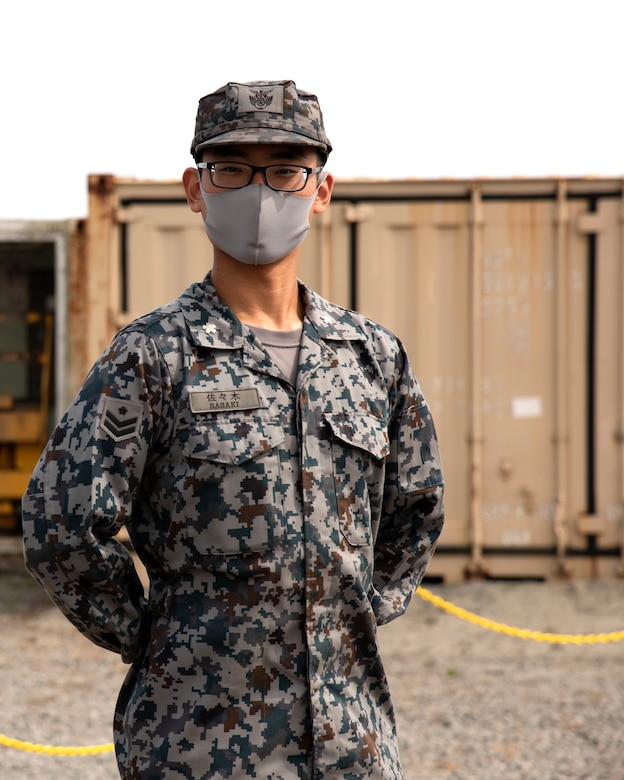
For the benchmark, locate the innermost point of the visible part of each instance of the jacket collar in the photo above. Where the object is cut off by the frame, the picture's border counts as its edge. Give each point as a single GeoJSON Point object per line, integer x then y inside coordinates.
{"type": "Point", "coordinates": [213, 324]}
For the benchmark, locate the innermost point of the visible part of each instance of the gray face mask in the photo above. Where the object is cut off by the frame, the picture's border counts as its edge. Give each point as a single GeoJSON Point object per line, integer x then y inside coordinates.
{"type": "Point", "coordinates": [257, 225]}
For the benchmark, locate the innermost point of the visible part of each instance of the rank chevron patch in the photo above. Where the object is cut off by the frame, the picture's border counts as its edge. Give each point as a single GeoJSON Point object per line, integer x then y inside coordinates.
{"type": "Point", "coordinates": [120, 419]}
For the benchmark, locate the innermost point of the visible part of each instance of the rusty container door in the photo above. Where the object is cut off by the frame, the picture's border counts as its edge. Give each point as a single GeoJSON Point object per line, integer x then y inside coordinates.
{"type": "Point", "coordinates": [531, 291]}
{"type": "Point", "coordinates": [601, 526]}
{"type": "Point", "coordinates": [508, 296]}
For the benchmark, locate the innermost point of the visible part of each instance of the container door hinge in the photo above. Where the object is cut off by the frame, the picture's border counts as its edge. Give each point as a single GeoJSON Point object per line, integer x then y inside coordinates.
{"type": "Point", "coordinates": [591, 222]}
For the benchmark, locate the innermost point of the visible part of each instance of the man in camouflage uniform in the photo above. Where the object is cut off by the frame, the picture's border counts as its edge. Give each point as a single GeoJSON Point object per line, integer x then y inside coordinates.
{"type": "Point", "coordinates": [276, 466]}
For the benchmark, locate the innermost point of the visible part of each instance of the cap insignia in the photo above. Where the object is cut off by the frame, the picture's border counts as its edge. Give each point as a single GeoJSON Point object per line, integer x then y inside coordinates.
{"type": "Point", "coordinates": [260, 100]}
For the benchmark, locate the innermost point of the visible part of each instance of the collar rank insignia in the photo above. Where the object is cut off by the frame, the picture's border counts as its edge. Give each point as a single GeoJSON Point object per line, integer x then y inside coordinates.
{"type": "Point", "coordinates": [120, 419]}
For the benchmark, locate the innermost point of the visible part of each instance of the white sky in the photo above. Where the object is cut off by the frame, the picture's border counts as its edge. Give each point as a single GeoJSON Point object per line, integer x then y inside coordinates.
{"type": "Point", "coordinates": [417, 88]}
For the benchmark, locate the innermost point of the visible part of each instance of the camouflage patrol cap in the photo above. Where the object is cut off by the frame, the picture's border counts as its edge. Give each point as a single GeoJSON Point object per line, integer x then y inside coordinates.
{"type": "Point", "coordinates": [264, 112]}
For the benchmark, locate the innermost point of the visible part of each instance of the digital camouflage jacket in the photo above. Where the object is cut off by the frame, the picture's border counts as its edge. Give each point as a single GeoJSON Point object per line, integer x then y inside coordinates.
{"type": "Point", "coordinates": [280, 526]}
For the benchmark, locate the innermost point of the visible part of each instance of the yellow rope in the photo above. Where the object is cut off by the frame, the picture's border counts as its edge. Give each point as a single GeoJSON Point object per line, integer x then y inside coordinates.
{"type": "Point", "coordinates": [53, 750]}
{"type": "Point", "coordinates": [426, 595]}
{"type": "Point", "coordinates": [520, 633]}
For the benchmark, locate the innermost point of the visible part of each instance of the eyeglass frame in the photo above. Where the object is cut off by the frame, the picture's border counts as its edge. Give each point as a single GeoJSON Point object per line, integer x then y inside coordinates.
{"type": "Point", "coordinates": [253, 168]}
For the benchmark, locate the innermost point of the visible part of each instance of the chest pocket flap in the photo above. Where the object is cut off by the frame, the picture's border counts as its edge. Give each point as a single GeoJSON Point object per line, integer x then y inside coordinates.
{"type": "Point", "coordinates": [363, 431]}
{"type": "Point", "coordinates": [233, 440]}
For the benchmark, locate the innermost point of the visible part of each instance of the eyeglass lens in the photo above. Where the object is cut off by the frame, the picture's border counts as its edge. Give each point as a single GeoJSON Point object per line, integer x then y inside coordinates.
{"type": "Point", "coordinates": [288, 178]}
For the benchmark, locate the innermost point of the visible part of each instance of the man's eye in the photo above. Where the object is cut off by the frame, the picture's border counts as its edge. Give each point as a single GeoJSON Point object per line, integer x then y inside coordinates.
{"type": "Point", "coordinates": [229, 168]}
{"type": "Point", "coordinates": [286, 171]}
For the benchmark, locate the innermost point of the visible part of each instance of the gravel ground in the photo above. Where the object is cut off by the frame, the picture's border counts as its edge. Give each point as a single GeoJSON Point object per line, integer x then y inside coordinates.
{"type": "Point", "coordinates": [471, 704]}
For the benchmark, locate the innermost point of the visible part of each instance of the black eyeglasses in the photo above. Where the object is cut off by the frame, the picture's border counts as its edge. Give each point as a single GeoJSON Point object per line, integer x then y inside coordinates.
{"type": "Point", "coordinates": [234, 175]}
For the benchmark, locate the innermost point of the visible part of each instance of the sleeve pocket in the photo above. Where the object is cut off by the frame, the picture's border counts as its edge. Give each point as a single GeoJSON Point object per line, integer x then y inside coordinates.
{"type": "Point", "coordinates": [418, 452]}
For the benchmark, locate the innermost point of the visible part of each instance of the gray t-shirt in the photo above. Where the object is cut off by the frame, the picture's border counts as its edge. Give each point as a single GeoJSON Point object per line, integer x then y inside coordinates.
{"type": "Point", "coordinates": [283, 347]}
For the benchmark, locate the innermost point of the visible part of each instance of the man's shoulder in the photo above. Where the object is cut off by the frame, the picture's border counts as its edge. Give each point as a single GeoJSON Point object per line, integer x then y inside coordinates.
{"type": "Point", "coordinates": [340, 317]}
{"type": "Point", "coordinates": [162, 320]}
{"type": "Point", "coordinates": [168, 318]}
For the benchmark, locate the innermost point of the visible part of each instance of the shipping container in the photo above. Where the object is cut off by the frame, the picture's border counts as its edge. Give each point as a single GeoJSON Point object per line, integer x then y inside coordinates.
{"type": "Point", "coordinates": [34, 339]}
{"type": "Point", "coordinates": [508, 297]}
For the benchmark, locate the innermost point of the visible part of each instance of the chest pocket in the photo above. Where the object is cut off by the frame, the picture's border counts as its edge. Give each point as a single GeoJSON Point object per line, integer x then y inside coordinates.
{"type": "Point", "coordinates": [231, 497]}
{"type": "Point", "coordinates": [359, 446]}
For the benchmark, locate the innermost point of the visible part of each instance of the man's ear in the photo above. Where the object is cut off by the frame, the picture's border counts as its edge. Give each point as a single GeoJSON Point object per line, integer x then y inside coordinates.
{"type": "Point", "coordinates": [190, 180]}
{"type": "Point", "coordinates": [323, 195]}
